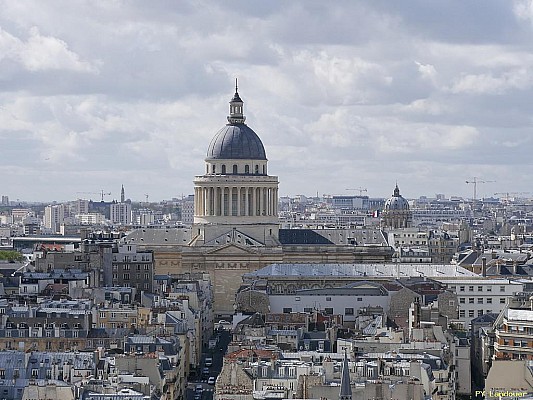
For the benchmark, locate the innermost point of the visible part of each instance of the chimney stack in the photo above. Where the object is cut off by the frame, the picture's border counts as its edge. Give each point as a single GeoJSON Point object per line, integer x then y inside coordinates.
{"type": "Point", "coordinates": [483, 267]}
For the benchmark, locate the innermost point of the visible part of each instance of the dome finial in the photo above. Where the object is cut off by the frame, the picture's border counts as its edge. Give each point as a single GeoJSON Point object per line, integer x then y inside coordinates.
{"type": "Point", "coordinates": [236, 108]}
{"type": "Point", "coordinates": [396, 191]}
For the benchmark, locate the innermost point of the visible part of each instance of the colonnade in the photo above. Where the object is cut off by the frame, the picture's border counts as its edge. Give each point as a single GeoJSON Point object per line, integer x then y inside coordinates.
{"type": "Point", "coordinates": [235, 201]}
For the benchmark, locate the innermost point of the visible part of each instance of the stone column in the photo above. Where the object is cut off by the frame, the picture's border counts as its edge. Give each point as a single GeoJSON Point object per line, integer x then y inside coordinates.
{"type": "Point", "coordinates": [238, 201]}
{"type": "Point", "coordinates": [216, 200]}
{"type": "Point", "coordinates": [230, 201]}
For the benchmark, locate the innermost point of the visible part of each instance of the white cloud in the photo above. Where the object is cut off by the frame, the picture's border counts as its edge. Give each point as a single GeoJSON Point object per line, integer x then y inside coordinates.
{"type": "Point", "coordinates": [104, 93]}
{"type": "Point", "coordinates": [41, 53]}
{"type": "Point", "coordinates": [518, 79]}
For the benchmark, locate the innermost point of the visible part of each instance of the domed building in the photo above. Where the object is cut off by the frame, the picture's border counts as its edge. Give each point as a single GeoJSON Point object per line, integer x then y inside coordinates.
{"type": "Point", "coordinates": [396, 213]}
{"type": "Point", "coordinates": [236, 227]}
{"type": "Point", "coordinates": [236, 193]}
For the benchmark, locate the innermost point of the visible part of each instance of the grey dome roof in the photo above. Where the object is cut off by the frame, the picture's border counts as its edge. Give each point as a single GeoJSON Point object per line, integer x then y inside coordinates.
{"type": "Point", "coordinates": [236, 141]}
{"type": "Point", "coordinates": [396, 202]}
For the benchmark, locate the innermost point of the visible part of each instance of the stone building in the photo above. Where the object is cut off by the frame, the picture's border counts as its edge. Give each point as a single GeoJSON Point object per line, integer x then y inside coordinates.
{"type": "Point", "coordinates": [396, 213]}
{"type": "Point", "coordinates": [236, 226]}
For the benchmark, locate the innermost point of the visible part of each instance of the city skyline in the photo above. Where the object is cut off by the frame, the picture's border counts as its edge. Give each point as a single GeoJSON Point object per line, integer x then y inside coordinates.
{"type": "Point", "coordinates": [343, 95]}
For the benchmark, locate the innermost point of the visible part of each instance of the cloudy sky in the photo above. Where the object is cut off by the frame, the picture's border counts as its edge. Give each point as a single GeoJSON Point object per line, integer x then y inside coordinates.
{"type": "Point", "coordinates": [344, 94]}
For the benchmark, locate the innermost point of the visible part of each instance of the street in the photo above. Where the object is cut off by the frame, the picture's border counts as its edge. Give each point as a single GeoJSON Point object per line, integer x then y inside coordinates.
{"type": "Point", "coordinates": [193, 387]}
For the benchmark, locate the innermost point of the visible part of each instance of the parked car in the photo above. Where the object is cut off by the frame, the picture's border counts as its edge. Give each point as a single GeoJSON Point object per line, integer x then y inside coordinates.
{"type": "Point", "coordinates": [208, 361]}
{"type": "Point", "coordinates": [211, 380]}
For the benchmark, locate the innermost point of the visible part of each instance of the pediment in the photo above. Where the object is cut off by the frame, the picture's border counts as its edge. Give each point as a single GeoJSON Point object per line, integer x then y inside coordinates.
{"type": "Point", "coordinates": [236, 237]}
{"type": "Point", "coordinates": [231, 248]}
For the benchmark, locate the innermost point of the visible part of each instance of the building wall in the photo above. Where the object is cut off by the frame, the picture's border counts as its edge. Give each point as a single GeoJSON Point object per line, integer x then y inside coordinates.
{"type": "Point", "coordinates": [480, 296]}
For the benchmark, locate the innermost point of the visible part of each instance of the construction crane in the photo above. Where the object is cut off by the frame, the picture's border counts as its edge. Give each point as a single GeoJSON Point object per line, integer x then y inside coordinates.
{"type": "Point", "coordinates": [101, 193]}
{"type": "Point", "coordinates": [474, 182]}
{"type": "Point", "coordinates": [360, 190]}
{"type": "Point", "coordinates": [510, 194]}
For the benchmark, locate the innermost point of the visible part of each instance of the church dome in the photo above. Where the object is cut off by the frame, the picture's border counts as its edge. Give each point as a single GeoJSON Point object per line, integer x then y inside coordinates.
{"type": "Point", "coordinates": [396, 202]}
{"type": "Point", "coordinates": [236, 140]}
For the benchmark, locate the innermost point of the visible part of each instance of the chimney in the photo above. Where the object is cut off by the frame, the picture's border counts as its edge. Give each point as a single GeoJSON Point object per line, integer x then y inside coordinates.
{"type": "Point", "coordinates": [483, 267]}
{"type": "Point", "coordinates": [515, 268]}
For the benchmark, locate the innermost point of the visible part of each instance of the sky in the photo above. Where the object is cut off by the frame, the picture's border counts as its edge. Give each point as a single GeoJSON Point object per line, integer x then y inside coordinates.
{"type": "Point", "coordinates": [344, 95]}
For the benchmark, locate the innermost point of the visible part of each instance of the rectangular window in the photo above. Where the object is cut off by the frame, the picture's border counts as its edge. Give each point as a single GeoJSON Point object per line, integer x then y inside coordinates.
{"type": "Point", "coordinates": [308, 310]}
{"type": "Point", "coordinates": [470, 313]}
{"type": "Point", "coordinates": [348, 311]}
{"type": "Point", "coordinates": [470, 300]}
{"type": "Point", "coordinates": [502, 288]}
{"type": "Point", "coordinates": [328, 310]}
{"type": "Point", "coordinates": [359, 299]}
{"type": "Point", "coordinates": [480, 300]}
{"type": "Point", "coordinates": [489, 300]}
{"type": "Point", "coordinates": [502, 300]}
{"type": "Point", "coordinates": [479, 313]}
{"type": "Point", "coordinates": [489, 288]}
{"type": "Point", "coordinates": [328, 298]}
{"type": "Point", "coordinates": [462, 300]}
{"type": "Point", "coordinates": [480, 288]}
{"type": "Point", "coordinates": [461, 288]}
{"type": "Point", "coordinates": [126, 277]}
{"type": "Point", "coordinates": [470, 288]}
{"type": "Point", "coordinates": [451, 303]}
{"type": "Point", "coordinates": [461, 313]}
{"type": "Point", "coordinates": [287, 310]}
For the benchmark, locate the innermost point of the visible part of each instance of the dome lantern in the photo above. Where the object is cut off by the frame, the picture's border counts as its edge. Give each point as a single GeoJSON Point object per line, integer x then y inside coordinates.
{"type": "Point", "coordinates": [236, 108]}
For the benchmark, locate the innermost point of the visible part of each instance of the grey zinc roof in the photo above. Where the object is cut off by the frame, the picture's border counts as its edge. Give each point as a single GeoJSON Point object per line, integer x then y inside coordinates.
{"type": "Point", "coordinates": [393, 270]}
{"type": "Point", "coordinates": [168, 236]}
{"type": "Point", "coordinates": [236, 141]}
{"type": "Point", "coordinates": [358, 288]}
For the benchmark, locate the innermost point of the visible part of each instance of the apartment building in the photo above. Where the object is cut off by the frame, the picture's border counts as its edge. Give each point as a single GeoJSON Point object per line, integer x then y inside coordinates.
{"type": "Point", "coordinates": [478, 296]}
{"type": "Point", "coordinates": [514, 330]}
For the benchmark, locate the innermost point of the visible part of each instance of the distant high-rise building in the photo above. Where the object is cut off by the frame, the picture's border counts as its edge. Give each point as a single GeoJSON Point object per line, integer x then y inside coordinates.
{"type": "Point", "coordinates": [54, 215]}
{"type": "Point", "coordinates": [120, 213]}
{"type": "Point", "coordinates": [5, 200]}
{"type": "Point", "coordinates": [187, 210]}
{"type": "Point", "coordinates": [122, 196]}
{"type": "Point", "coordinates": [79, 206]}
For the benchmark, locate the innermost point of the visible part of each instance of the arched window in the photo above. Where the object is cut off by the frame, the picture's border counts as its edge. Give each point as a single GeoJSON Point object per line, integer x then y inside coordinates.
{"type": "Point", "coordinates": [223, 169]}
{"type": "Point", "coordinates": [257, 169]}
{"type": "Point", "coordinates": [264, 170]}
{"type": "Point", "coordinates": [234, 168]}
{"type": "Point", "coordinates": [246, 169]}
{"type": "Point", "coordinates": [213, 169]}
{"type": "Point", "coordinates": [207, 169]}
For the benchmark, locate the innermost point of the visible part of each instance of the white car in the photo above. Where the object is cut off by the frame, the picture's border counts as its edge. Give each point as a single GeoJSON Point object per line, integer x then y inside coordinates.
{"type": "Point", "coordinates": [211, 380]}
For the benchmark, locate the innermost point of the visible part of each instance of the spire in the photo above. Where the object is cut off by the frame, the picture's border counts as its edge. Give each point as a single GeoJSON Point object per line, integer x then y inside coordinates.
{"type": "Point", "coordinates": [236, 108]}
{"type": "Point", "coordinates": [346, 389]}
{"type": "Point", "coordinates": [396, 191]}
{"type": "Point", "coordinates": [122, 197]}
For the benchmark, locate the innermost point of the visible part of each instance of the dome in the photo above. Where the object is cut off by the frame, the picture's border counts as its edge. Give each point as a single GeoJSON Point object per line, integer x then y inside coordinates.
{"type": "Point", "coordinates": [396, 202]}
{"type": "Point", "coordinates": [236, 141]}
